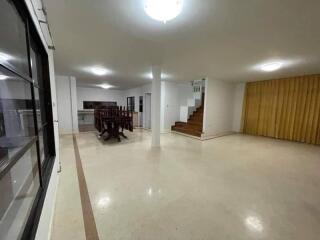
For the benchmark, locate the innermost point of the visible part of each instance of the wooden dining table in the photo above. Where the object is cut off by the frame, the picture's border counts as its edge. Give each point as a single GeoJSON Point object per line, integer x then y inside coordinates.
{"type": "Point", "coordinates": [113, 120]}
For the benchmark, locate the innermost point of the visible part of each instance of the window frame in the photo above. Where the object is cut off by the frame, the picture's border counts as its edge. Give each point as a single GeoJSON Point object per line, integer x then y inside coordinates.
{"type": "Point", "coordinates": [45, 169]}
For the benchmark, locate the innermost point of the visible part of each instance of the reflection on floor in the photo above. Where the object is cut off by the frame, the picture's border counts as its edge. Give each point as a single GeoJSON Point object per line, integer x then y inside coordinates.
{"type": "Point", "coordinates": [233, 187]}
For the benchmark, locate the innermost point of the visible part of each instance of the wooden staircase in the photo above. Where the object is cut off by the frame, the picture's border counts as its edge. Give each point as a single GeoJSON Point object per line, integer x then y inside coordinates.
{"type": "Point", "coordinates": [193, 126]}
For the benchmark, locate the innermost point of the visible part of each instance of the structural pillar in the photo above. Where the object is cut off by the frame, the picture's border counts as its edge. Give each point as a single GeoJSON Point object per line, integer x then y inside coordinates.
{"type": "Point", "coordinates": [74, 104]}
{"type": "Point", "coordinates": [155, 106]}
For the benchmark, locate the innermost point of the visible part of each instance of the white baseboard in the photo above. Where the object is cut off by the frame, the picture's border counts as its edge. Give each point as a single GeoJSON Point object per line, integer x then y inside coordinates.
{"type": "Point", "coordinates": [186, 135]}
{"type": "Point", "coordinates": [208, 137]}
{"type": "Point", "coordinates": [47, 215]}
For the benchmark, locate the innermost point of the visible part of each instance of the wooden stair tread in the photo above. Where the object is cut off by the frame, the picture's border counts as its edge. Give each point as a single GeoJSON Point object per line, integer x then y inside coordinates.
{"type": "Point", "coordinates": [194, 125]}
{"type": "Point", "coordinates": [190, 123]}
{"type": "Point", "coordinates": [187, 131]}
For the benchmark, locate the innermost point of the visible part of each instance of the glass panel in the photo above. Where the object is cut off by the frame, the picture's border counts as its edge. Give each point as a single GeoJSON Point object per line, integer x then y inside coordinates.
{"type": "Point", "coordinates": [43, 144]}
{"type": "Point", "coordinates": [43, 105]}
{"type": "Point", "coordinates": [36, 66]}
{"type": "Point", "coordinates": [18, 188]}
{"type": "Point", "coordinates": [34, 69]}
{"type": "Point", "coordinates": [40, 107]}
{"type": "Point", "coordinates": [13, 48]}
{"type": "Point", "coordinates": [37, 100]}
{"type": "Point", "coordinates": [16, 113]}
{"type": "Point", "coordinates": [37, 78]}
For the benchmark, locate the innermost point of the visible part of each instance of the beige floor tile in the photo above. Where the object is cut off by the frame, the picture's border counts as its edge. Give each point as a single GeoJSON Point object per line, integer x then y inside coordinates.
{"type": "Point", "coordinates": [68, 220]}
{"type": "Point", "coordinates": [233, 187]}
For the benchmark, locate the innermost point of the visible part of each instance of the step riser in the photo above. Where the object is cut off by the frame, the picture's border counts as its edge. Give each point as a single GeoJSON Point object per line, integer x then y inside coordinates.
{"type": "Point", "coordinates": [195, 120]}
{"type": "Point", "coordinates": [194, 125]}
{"type": "Point", "coordinates": [197, 114]}
{"type": "Point", "coordinates": [190, 128]}
{"type": "Point", "coordinates": [196, 117]}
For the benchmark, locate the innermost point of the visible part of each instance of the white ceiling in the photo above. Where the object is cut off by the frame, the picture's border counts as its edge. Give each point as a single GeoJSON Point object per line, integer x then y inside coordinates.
{"type": "Point", "coordinates": [221, 39]}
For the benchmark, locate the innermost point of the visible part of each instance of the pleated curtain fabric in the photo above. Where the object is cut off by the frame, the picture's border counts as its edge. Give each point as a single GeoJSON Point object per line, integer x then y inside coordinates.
{"type": "Point", "coordinates": [284, 109]}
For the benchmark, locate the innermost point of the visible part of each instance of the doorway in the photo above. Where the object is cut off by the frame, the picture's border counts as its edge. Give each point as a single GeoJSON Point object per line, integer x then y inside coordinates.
{"type": "Point", "coordinates": [140, 111]}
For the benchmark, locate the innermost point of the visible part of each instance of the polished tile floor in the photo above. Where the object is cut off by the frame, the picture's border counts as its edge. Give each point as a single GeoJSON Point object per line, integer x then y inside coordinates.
{"type": "Point", "coordinates": [233, 187]}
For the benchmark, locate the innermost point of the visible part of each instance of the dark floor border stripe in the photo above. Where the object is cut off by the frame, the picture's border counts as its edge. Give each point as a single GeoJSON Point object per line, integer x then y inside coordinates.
{"type": "Point", "coordinates": [88, 217]}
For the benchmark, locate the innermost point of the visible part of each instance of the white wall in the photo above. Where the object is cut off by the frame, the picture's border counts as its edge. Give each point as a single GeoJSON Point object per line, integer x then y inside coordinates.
{"type": "Point", "coordinates": [239, 91]}
{"type": "Point", "coordinates": [99, 94]}
{"type": "Point", "coordinates": [64, 104]}
{"type": "Point", "coordinates": [219, 101]}
{"type": "Point", "coordinates": [185, 92]}
{"type": "Point", "coordinates": [137, 92]}
{"type": "Point", "coordinates": [65, 85]}
{"type": "Point", "coordinates": [162, 106]}
{"type": "Point", "coordinates": [174, 95]}
{"type": "Point", "coordinates": [74, 107]}
{"type": "Point", "coordinates": [223, 103]}
{"type": "Point", "coordinates": [67, 104]}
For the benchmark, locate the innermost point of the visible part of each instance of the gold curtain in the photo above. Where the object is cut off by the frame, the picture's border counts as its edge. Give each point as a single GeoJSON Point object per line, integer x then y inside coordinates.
{"type": "Point", "coordinates": [284, 108]}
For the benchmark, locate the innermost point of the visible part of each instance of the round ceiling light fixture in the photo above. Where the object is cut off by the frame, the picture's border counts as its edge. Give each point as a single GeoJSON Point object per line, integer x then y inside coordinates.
{"type": "Point", "coordinates": [105, 86]}
{"type": "Point", "coordinates": [272, 66]}
{"type": "Point", "coordinates": [163, 10]}
{"type": "Point", "coordinates": [100, 71]}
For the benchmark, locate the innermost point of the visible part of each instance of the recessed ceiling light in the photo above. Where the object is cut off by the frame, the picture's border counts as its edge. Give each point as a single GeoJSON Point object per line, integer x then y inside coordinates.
{"type": "Point", "coordinates": [106, 86]}
{"type": "Point", "coordinates": [163, 10]}
{"type": "Point", "coordinates": [3, 77]}
{"type": "Point", "coordinates": [100, 71]}
{"type": "Point", "coordinates": [272, 66]}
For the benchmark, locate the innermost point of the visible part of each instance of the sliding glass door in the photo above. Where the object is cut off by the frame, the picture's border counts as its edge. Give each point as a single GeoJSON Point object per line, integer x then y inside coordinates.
{"type": "Point", "coordinates": [19, 176]}
{"type": "Point", "coordinates": [26, 128]}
